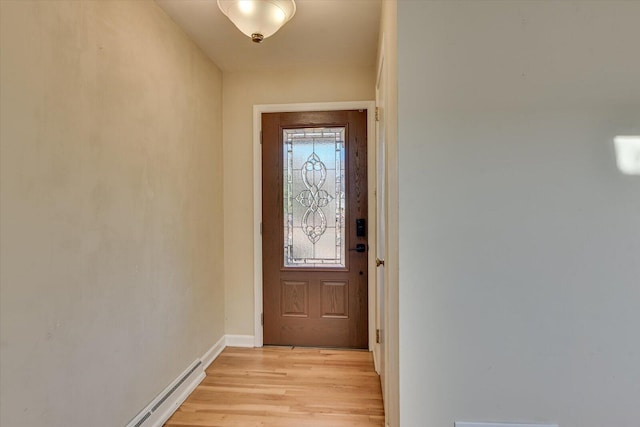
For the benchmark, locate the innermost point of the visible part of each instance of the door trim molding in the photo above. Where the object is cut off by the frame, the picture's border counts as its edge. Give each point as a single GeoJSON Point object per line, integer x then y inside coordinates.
{"type": "Point", "coordinates": [258, 109]}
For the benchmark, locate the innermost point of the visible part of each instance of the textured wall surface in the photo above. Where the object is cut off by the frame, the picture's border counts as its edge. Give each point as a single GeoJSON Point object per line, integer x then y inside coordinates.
{"type": "Point", "coordinates": [519, 237]}
{"type": "Point", "coordinates": [111, 209]}
{"type": "Point", "coordinates": [241, 91]}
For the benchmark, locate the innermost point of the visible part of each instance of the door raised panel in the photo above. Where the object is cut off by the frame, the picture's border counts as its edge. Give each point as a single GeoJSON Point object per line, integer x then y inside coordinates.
{"type": "Point", "coordinates": [295, 299]}
{"type": "Point", "coordinates": [335, 299]}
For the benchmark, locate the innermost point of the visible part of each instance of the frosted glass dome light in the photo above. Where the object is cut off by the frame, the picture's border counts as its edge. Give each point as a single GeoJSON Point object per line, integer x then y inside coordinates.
{"type": "Point", "coordinates": [258, 19]}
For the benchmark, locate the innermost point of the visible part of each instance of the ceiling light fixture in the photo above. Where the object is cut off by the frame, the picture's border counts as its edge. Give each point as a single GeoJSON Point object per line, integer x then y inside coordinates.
{"type": "Point", "coordinates": [258, 19]}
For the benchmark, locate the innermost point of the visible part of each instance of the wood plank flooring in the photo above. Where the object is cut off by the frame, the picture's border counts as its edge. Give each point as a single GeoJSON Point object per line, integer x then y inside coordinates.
{"type": "Point", "coordinates": [285, 387]}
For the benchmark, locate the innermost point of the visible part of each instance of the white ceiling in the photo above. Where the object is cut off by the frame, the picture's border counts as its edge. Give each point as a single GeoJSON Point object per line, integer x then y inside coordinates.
{"type": "Point", "coordinates": [328, 32]}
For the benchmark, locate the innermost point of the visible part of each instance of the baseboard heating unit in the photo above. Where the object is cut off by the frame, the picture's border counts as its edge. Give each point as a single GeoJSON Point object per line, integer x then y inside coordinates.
{"type": "Point", "coordinates": [156, 413]}
{"type": "Point", "coordinates": [161, 408]}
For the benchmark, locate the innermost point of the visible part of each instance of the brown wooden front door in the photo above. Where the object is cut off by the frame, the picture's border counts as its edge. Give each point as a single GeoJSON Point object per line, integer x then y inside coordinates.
{"type": "Point", "coordinates": [314, 238]}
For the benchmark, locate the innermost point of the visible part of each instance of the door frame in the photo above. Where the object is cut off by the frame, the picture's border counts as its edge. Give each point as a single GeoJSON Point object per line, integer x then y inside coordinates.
{"type": "Point", "coordinates": [258, 109]}
{"type": "Point", "coordinates": [380, 351]}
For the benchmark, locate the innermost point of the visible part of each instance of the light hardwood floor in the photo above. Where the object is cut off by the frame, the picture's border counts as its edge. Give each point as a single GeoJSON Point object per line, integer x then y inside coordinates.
{"type": "Point", "coordinates": [285, 387]}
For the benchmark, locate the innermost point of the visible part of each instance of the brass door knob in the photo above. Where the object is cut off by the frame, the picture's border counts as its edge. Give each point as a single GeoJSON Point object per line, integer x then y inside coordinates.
{"type": "Point", "coordinates": [379, 262]}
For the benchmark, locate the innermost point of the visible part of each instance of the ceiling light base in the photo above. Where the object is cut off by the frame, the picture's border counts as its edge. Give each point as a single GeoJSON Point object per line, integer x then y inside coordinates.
{"type": "Point", "coordinates": [258, 19]}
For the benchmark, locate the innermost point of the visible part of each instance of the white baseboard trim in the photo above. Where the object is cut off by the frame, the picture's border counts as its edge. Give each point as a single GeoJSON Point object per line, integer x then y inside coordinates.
{"type": "Point", "coordinates": [213, 353]}
{"type": "Point", "coordinates": [156, 413]}
{"type": "Point", "coordinates": [240, 340]}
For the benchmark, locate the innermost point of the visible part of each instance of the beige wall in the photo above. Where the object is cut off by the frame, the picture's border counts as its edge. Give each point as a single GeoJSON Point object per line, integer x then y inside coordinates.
{"type": "Point", "coordinates": [111, 209]}
{"type": "Point", "coordinates": [241, 90]}
{"type": "Point", "coordinates": [519, 237]}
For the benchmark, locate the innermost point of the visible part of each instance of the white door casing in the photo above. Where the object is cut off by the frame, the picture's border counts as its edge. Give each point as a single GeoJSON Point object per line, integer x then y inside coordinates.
{"type": "Point", "coordinates": [381, 203]}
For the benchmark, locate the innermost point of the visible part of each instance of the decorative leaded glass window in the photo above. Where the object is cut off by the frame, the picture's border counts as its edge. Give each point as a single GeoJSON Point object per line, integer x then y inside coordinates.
{"type": "Point", "coordinates": [314, 197]}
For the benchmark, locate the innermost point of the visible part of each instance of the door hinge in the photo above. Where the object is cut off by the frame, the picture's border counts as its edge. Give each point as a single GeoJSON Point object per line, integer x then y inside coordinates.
{"type": "Point", "coordinates": [377, 114]}
{"type": "Point", "coordinates": [262, 319]}
{"type": "Point", "coordinates": [261, 229]}
{"type": "Point", "coordinates": [260, 137]}
{"type": "Point", "coordinates": [377, 336]}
